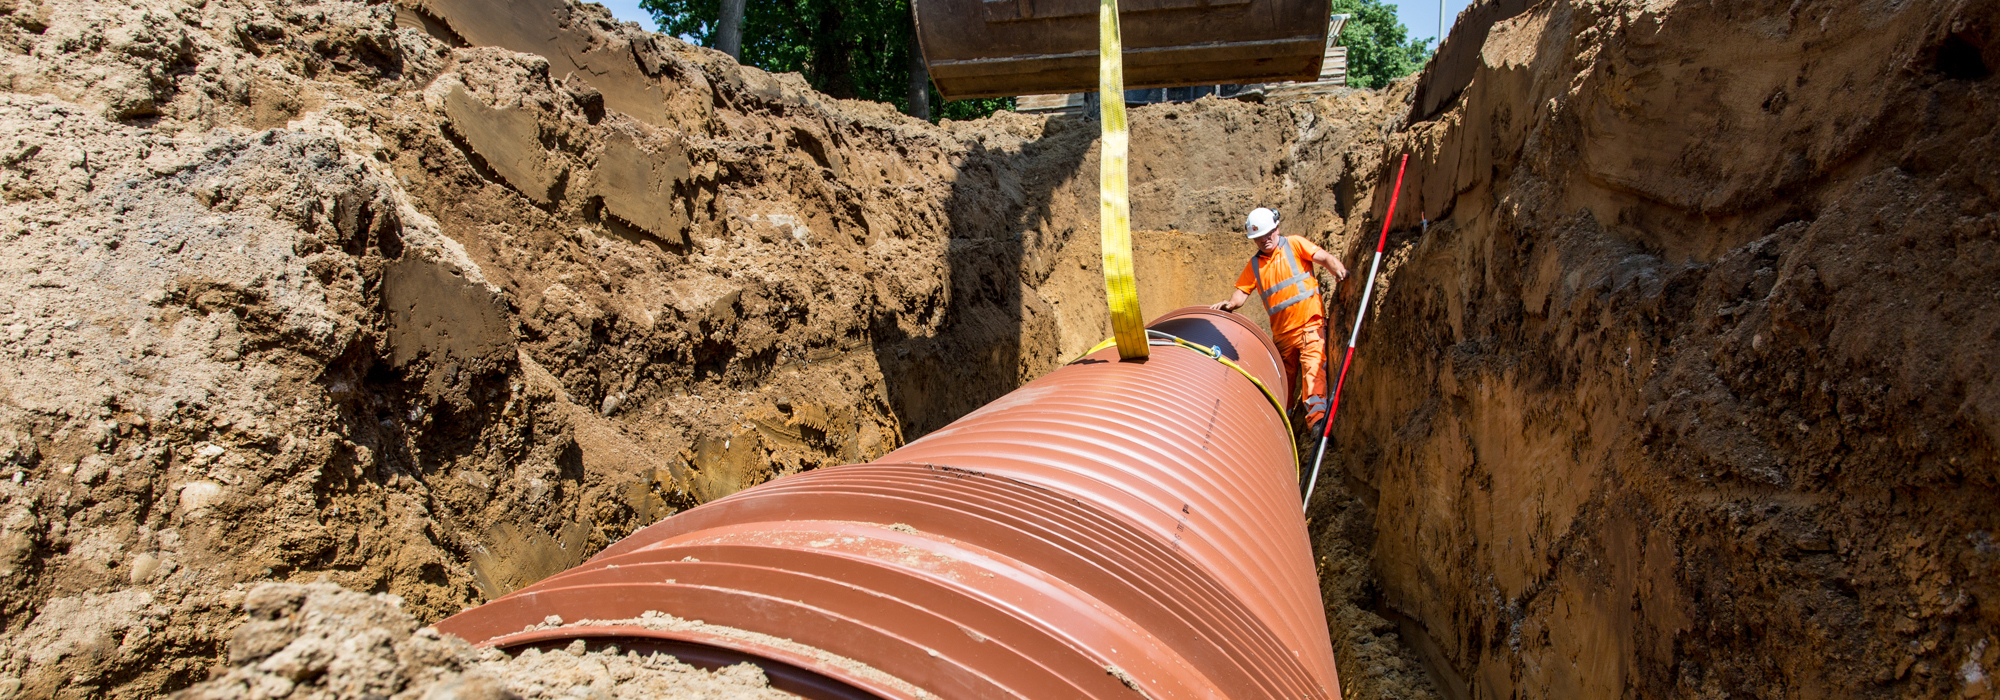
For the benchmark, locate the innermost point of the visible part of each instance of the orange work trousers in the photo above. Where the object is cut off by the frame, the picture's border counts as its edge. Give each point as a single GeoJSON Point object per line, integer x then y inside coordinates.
{"type": "Point", "coordinates": [1304, 350]}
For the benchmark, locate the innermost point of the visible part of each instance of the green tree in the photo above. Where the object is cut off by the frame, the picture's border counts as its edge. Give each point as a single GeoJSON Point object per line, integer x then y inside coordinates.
{"type": "Point", "coordinates": [851, 49]}
{"type": "Point", "coordinates": [1379, 47]}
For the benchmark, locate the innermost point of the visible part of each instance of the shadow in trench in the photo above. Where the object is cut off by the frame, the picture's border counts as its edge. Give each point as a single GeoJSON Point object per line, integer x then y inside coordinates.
{"type": "Point", "coordinates": [995, 333]}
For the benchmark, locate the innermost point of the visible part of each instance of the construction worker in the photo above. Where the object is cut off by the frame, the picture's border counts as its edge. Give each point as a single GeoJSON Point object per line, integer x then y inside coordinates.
{"type": "Point", "coordinates": [1282, 273]}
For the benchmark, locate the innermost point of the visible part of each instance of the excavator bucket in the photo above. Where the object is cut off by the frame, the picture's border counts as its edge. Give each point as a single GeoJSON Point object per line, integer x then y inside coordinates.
{"type": "Point", "coordinates": [1000, 48]}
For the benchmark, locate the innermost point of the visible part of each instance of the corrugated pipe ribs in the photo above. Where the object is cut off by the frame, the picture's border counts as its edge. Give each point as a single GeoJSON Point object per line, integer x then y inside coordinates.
{"type": "Point", "coordinates": [1110, 530]}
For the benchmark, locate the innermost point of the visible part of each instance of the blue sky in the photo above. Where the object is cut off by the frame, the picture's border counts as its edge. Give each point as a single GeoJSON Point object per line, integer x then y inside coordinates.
{"type": "Point", "coordinates": [1420, 16]}
{"type": "Point", "coordinates": [629, 11]}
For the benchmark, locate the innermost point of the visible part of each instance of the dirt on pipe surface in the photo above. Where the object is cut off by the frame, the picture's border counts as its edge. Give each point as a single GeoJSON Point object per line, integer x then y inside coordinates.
{"type": "Point", "coordinates": [1688, 391]}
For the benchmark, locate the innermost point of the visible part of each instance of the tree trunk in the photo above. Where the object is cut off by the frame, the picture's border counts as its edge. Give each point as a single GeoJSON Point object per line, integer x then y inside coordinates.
{"type": "Point", "coordinates": [831, 69]}
{"type": "Point", "coordinates": [729, 30]}
{"type": "Point", "coordinates": [920, 75]}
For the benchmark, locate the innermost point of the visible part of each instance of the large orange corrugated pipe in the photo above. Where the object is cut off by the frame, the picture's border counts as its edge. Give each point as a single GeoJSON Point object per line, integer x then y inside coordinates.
{"type": "Point", "coordinates": [1110, 530]}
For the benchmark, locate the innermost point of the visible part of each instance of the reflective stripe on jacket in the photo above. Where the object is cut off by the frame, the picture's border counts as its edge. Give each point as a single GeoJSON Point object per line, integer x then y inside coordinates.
{"type": "Point", "coordinates": [1285, 284]}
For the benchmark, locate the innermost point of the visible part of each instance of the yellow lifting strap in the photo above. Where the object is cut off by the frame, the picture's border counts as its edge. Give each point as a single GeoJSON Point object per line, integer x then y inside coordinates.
{"type": "Point", "coordinates": [1128, 326]}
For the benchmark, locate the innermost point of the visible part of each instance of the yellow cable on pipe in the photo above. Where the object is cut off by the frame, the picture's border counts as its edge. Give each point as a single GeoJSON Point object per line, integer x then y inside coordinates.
{"type": "Point", "coordinates": [1128, 326]}
{"type": "Point", "coordinates": [1217, 356]}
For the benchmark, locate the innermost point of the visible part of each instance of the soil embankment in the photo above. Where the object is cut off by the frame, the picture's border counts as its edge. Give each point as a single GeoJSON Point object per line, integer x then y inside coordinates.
{"type": "Point", "coordinates": [1688, 390]}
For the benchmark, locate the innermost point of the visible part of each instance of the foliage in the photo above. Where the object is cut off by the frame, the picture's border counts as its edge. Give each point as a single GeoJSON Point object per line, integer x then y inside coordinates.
{"type": "Point", "coordinates": [1379, 47]}
{"type": "Point", "coordinates": [851, 49]}
{"type": "Point", "coordinates": [967, 109]}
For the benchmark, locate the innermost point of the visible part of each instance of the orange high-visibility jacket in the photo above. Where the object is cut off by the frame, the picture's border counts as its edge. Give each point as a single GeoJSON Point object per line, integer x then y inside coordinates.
{"type": "Point", "coordinates": [1285, 281]}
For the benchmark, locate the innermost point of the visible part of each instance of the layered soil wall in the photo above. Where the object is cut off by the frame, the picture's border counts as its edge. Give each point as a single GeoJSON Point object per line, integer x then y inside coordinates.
{"type": "Point", "coordinates": [1687, 390]}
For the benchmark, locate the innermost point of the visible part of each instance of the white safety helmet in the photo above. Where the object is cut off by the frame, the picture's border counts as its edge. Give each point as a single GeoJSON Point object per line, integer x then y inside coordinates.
{"type": "Point", "coordinates": [1262, 221]}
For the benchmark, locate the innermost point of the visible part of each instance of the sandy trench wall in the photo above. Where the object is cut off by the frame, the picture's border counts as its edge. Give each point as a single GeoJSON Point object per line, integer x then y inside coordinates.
{"type": "Point", "coordinates": [1696, 362]}
{"type": "Point", "coordinates": [303, 291]}
{"type": "Point", "coordinates": [1689, 390]}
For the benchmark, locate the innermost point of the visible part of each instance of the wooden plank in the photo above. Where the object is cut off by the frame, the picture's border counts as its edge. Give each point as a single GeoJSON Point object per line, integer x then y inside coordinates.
{"type": "Point", "coordinates": [1029, 104]}
{"type": "Point", "coordinates": [1334, 67]}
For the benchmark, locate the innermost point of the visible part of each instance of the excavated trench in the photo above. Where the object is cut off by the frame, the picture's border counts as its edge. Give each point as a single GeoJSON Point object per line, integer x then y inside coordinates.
{"type": "Point", "coordinates": [1680, 382]}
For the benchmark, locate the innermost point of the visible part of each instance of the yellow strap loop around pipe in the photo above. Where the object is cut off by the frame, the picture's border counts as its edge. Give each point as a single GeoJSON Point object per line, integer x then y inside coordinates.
{"type": "Point", "coordinates": [1217, 356]}
{"type": "Point", "coordinates": [1128, 325]}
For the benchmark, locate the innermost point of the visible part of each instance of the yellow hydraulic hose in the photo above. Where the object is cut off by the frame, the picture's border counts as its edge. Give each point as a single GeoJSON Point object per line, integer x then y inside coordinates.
{"type": "Point", "coordinates": [1128, 326]}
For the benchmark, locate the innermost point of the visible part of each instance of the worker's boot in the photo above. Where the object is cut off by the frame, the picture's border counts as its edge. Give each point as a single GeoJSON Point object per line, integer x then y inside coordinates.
{"type": "Point", "coordinates": [1315, 415]}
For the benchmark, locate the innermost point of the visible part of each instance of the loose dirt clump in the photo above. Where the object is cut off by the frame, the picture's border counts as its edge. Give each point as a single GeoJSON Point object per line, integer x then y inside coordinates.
{"type": "Point", "coordinates": [321, 641]}
{"type": "Point", "coordinates": [1378, 657]}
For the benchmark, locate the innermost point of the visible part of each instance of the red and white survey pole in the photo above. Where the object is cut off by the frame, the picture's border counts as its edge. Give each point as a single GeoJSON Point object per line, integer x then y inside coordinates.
{"type": "Point", "coordinates": [1359, 314]}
